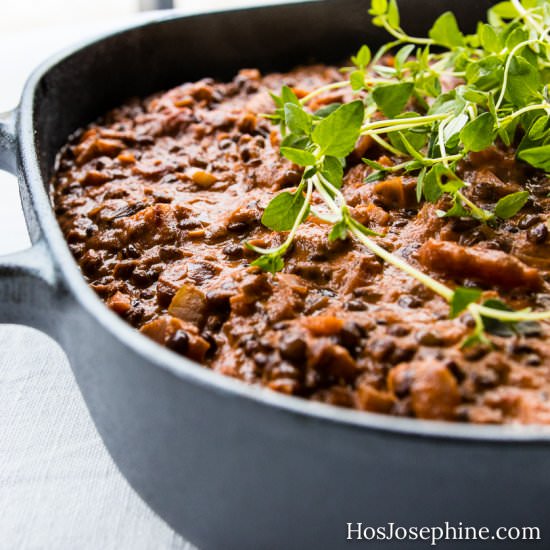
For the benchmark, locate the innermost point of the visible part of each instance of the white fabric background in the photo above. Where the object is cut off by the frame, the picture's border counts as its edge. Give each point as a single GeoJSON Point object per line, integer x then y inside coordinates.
{"type": "Point", "coordinates": [59, 489]}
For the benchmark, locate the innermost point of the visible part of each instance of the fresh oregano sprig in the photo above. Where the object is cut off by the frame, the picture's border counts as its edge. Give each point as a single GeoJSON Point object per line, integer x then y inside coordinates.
{"type": "Point", "coordinates": [471, 118]}
{"type": "Point", "coordinates": [320, 144]}
{"type": "Point", "coordinates": [502, 94]}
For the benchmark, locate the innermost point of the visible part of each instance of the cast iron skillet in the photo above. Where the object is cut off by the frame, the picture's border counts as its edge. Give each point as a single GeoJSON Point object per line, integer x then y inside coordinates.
{"type": "Point", "coordinates": [227, 465]}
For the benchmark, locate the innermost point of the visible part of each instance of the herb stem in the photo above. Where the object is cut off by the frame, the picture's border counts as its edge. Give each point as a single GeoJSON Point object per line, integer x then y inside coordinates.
{"type": "Point", "coordinates": [512, 316]}
{"type": "Point", "coordinates": [383, 143]}
{"type": "Point", "coordinates": [384, 49]}
{"type": "Point", "coordinates": [511, 55]}
{"type": "Point", "coordinates": [403, 37]}
{"type": "Point", "coordinates": [329, 218]}
{"type": "Point", "coordinates": [509, 118]}
{"type": "Point", "coordinates": [477, 212]}
{"type": "Point", "coordinates": [299, 218]}
{"type": "Point", "coordinates": [318, 183]}
{"type": "Point", "coordinates": [323, 89]}
{"type": "Point", "coordinates": [336, 192]}
{"type": "Point", "coordinates": [441, 138]}
{"type": "Point", "coordinates": [399, 122]}
{"type": "Point", "coordinates": [397, 262]}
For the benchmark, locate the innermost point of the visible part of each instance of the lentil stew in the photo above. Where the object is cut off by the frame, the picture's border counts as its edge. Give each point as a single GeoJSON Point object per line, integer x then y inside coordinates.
{"type": "Point", "coordinates": [158, 198]}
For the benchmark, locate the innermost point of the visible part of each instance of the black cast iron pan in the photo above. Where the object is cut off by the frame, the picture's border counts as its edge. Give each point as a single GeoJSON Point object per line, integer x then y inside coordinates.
{"type": "Point", "coordinates": [227, 465]}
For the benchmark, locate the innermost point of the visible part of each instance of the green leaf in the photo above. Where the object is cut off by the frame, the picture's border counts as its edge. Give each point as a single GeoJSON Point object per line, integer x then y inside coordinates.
{"type": "Point", "coordinates": [375, 165]}
{"type": "Point", "coordinates": [420, 184]}
{"type": "Point", "coordinates": [378, 7]}
{"type": "Point", "coordinates": [402, 140]}
{"type": "Point", "coordinates": [337, 134]}
{"type": "Point", "coordinates": [476, 338]}
{"type": "Point", "coordinates": [429, 84]}
{"type": "Point", "coordinates": [297, 120]}
{"type": "Point", "coordinates": [490, 39]}
{"type": "Point", "coordinates": [392, 98]}
{"type": "Point", "coordinates": [309, 172]}
{"type": "Point", "coordinates": [528, 141]}
{"type": "Point", "coordinates": [363, 57]}
{"type": "Point", "coordinates": [272, 263]}
{"type": "Point", "coordinates": [298, 156]}
{"type": "Point", "coordinates": [507, 132]}
{"type": "Point", "coordinates": [524, 82]}
{"type": "Point", "coordinates": [456, 211]}
{"type": "Point", "coordinates": [288, 96]}
{"type": "Point", "coordinates": [462, 298]}
{"type": "Point", "coordinates": [516, 37]}
{"type": "Point", "coordinates": [445, 31]}
{"type": "Point", "coordinates": [357, 80]}
{"type": "Point", "coordinates": [540, 128]}
{"type": "Point", "coordinates": [530, 4]}
{"type": "Point", "coordinates": [510, 205]}
{"type": "Point", "coordinates": [505, 10]}
{"type": "Point", "coordinates": [432, 188]}
{"type": "Point", "coordinates": [409, 140]}
{"type": "Point", "coordinates": [539, 157]}
{"type": "Point", "coordinates": [377, 175]}
{"type": "Point", "coordinates": [402, 56]}
{"type": "Point", "coordinates": [452, 130]}
{"type": "Point", "coordinates": [277, 100]}
{"type": "Point", "coordinates": [531, 57]}
{"type": "Point", "coordinates": [453, 182]}
{"type": "Point", "coordinates": [473, 95]}
{"type": "Point", "coordinates": [478, 134]}
{"type": "Point", "coordinates": [435, 186]}
{"type": "Point", "coordinates": [393, 14]}
{"type": "Point", "coordinates": [323, 112]}
{"type": "Point", "coordinates": [295, 141]}
{"type": "Point", "coordinates": [339, 231]}
{"type": "Point", "coordinates": [283, 210]}
{"type": "Point", "coordinates": [447, 103]}
{"type": "Point", "coordinates": [486, 74]}
{"type": "Point", "coordinates": [333, 171]}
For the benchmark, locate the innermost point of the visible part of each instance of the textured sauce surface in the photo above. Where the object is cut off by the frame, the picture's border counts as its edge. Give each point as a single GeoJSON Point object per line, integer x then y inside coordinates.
{"type": "Point", "coordinates": [157, 199]}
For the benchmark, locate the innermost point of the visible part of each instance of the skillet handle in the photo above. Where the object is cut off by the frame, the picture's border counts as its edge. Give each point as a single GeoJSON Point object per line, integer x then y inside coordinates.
{"type": "Point", "coordinates": [27, 278]}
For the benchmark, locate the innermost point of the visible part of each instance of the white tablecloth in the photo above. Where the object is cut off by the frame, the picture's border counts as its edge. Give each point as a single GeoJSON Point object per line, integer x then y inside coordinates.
{"type": "Point", "coordinates": [59, 489]}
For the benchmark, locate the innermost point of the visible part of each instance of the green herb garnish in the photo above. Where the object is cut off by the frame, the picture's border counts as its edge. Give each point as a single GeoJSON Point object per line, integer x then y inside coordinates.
{"type": "Point", "coordinates": [503, 72]}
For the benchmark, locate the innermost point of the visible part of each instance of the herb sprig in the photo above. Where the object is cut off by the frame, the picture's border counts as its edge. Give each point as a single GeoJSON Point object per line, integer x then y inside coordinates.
{"type": "Point", "coordinates": [502, 92]}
